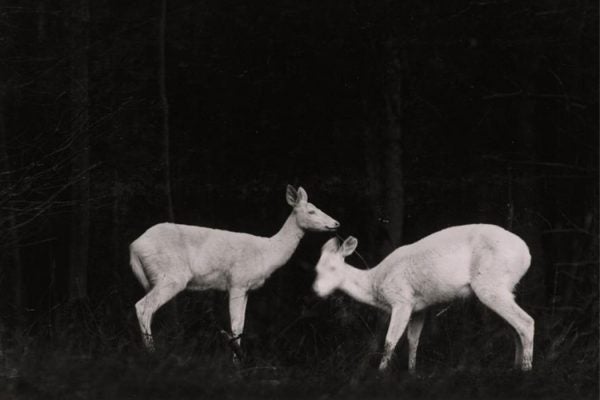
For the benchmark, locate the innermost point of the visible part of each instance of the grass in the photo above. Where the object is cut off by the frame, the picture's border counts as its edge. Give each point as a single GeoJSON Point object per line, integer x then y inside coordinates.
{"type": "Point", "coordinates": [66, 370]}
{"type": "Point", "coordinates": [98, 355]}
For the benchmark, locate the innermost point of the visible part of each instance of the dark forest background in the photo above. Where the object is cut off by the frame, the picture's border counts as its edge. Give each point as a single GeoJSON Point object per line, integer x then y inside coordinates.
{"type": "Point", "coordinates": [399, 118]}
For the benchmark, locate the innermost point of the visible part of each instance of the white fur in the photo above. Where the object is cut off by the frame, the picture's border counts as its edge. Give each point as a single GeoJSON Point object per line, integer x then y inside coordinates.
{"type": "Point", "coordinates": [456, 262]}
{"type": "Point", "coordinates": [169, 258]}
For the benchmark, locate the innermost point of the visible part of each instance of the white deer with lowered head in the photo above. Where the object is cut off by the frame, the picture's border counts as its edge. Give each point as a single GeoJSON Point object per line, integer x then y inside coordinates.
{"type": "Point", "coordinates": [169, 258]}
{"type": "Point", "coordinates": [455, 262]}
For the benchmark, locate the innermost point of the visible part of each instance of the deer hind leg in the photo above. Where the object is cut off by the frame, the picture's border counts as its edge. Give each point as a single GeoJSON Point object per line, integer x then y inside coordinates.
{"type": "Point", "coordinates": [413, 333]}
{"type": "Point", "coordinates": [238, 298]}
{"type": "Point", "coordinates": [503, 303]}
{"type": "Point", "coordinates": [518, 351]}
{"type": "Point", "coordinates": [398, 322]}
{"type": "Point", "coordinates": [161, 293]}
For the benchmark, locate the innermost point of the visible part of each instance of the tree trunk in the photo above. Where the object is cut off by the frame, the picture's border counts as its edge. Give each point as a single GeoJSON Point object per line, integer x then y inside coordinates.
{"type": "Point", "coordinates": [41, 21]}
{"type": "Point", "coordinates": [392, 153]}
{"type": "Point", "coordinates": [79, 96]}
{"type": "Point", "coordinates": [530, 196]}
{"type": "Point", "coordinates": [164, 108]}
{"type": "Point", "coordinates": [383, 159]}
{"type": "Point", "coordinates": [15, 267]}
{"type": "Point", "coordinates": [374, 185]}
{"type": "Point", "coordinates": [116, 247]}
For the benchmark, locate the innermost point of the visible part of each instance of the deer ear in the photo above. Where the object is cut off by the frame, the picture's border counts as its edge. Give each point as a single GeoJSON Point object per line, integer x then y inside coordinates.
{"type": "Point", "coordinates": [291, 195]}
{"type": "Point", "coordinates": [302, 196]}
{"type": "Point", "coordinates": [332, 245]}
{"type": "Point", "coordinates": [349, 246]}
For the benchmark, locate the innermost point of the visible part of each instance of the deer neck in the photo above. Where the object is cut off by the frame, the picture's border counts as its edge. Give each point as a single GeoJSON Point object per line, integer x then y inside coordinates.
{"type": "Point", "coordinates": [358, 284]}
{"type": "Point", "coordinates": [283, 244]}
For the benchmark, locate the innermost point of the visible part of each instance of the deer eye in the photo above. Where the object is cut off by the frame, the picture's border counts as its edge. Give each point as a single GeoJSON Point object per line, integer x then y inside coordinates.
{"type": "Point", "coordinates": [312, 212]}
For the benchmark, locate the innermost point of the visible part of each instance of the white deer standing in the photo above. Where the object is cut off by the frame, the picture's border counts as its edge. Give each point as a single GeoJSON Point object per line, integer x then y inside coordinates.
{"type": "Point", "coordinates": [455, 262]}
{"type": "Point", "coordinates": [169, 258]}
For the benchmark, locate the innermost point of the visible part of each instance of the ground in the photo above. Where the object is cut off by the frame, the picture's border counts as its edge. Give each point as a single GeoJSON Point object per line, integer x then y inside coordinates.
{"type": "Point", "coordinates": [181, 371]}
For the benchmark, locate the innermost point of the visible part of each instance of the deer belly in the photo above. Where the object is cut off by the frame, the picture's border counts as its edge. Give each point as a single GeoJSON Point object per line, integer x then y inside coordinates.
{"type": "Point", "coordinates": [441, 294]}
{"type": "Point", "coordinates": [209, 280]}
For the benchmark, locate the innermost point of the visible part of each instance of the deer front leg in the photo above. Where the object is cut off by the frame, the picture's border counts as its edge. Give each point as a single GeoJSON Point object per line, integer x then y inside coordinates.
{"type": "Point", "coordinates": [238, 298]}
{"type": "Point", "coordinates": [413, 332]}
{"type": "Point", "coordinates": [398, 321]}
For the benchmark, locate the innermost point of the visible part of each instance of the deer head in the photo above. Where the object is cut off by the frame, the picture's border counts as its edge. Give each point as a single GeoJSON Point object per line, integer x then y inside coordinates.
{"type": "Point", "coordinates": [309, 217]}
{"type": "Point", "coordinates": [332, 266]}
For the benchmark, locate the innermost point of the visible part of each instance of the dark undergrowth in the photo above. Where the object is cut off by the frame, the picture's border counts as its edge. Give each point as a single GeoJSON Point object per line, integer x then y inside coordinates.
{"type": "Point", "coordinates": [465, 353]}
{"type": "Point", "coordinates": [82, 365]}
